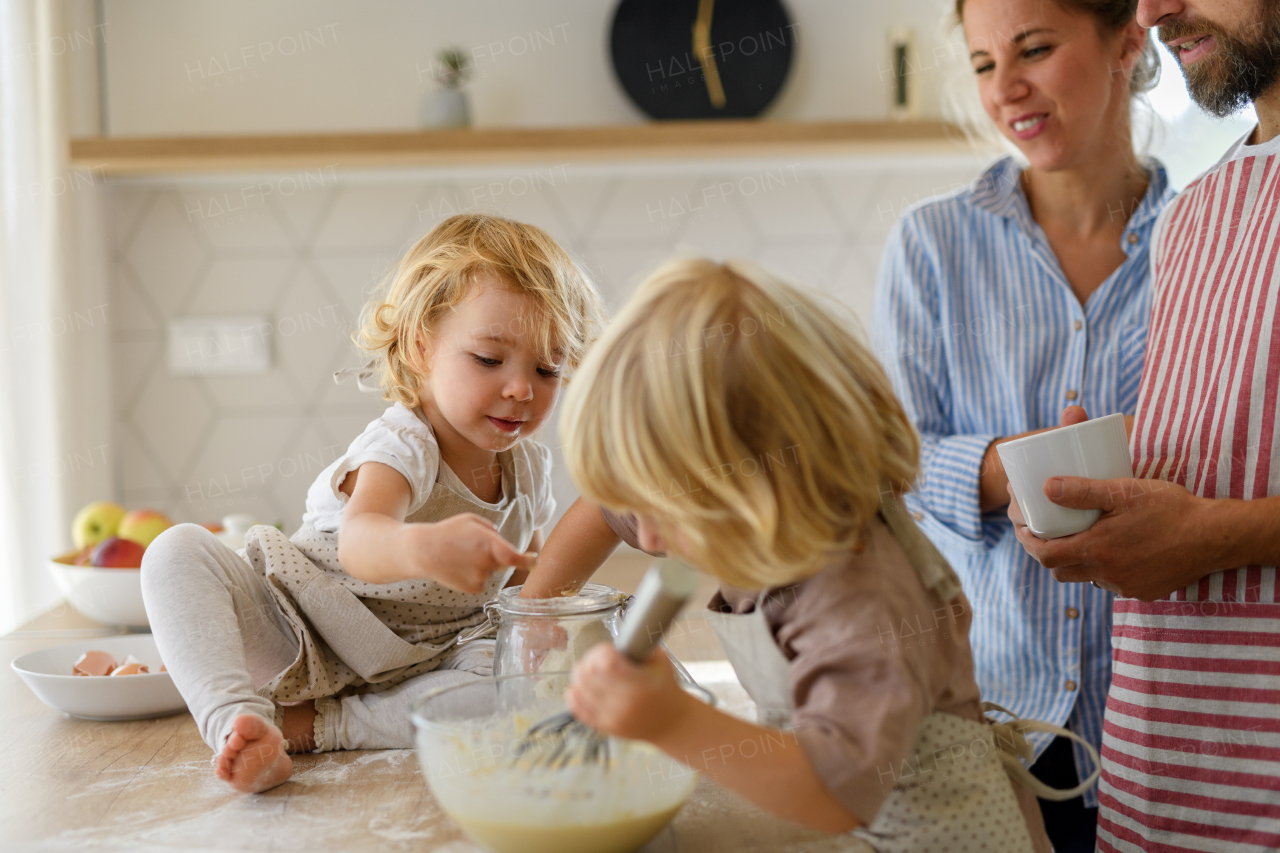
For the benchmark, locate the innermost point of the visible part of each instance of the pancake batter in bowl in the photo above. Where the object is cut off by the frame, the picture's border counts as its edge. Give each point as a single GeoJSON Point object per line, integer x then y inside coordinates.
{"type": "Point", "coordinates": [624, 834]}
{"type": "Point", "coordinates": [467, 750]}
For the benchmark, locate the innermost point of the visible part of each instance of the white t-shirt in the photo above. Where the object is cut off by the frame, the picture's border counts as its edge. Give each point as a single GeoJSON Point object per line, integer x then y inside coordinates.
{"type": "Point", "coordinates": [405, 441]}
{"type": "Point", "coordinates": [1242, 148]}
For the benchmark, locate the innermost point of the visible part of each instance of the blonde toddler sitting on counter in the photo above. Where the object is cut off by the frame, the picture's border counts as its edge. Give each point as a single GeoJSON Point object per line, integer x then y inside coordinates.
{"type": "Point", "coordinates": [321, 640]}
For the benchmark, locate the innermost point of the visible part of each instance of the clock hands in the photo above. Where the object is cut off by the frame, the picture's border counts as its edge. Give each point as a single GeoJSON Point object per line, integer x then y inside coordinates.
{"type": "Point", "coordinates": [702, 50]}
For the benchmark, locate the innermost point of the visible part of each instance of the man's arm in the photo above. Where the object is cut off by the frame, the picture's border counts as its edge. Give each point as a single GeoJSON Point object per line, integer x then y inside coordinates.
{"type": "Point", "coordinates": [1252, 530]}
{"type": "Point", "coordinates": [1154, 536]}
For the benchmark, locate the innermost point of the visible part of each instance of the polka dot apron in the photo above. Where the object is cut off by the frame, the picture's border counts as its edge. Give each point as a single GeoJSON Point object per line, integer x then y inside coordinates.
{"type": "Point", "coordinates": [954, 791]}
{"type": "Point", "coordinates": [361, 637]}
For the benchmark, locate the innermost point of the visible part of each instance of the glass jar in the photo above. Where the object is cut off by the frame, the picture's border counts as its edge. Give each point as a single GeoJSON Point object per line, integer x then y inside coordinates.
{"type": "Point", "coordinates": [551, 634]}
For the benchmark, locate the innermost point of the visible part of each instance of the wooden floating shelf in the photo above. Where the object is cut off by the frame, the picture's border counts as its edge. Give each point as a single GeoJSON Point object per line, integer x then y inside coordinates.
{"type": "Point", "coordinates": [657, 140]}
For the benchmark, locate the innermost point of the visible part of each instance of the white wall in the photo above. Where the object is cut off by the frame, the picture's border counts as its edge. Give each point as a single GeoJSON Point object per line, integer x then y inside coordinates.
{"type": "Point", "coordinates": [198, 448]}
{"type": "Point", "coordinates": [367, 65]}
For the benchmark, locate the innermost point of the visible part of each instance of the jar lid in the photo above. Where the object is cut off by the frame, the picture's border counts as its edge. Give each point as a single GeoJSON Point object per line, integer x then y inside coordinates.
{"type": "Point", "coordinates": [592, 598]}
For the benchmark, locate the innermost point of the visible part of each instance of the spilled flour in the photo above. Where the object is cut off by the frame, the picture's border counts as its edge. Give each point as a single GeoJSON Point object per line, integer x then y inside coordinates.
{"type": "Point", "coordinates": [329, 769]}
{"type": "Point", "coordinates": [161, 777]}
{"type": "Point", "coordinates": [345, 801]}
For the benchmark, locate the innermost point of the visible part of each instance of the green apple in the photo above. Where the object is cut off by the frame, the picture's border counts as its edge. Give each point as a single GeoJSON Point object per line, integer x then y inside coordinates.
{"type": "Point", "coordinates": [96, 522]}
{"type": "Point", "coordinates": [143, 525]}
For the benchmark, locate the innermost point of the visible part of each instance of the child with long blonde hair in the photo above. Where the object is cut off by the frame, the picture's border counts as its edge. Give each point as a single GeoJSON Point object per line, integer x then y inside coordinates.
{"type": "Point", "coordinates": [322, 640]}
{"type": "Point", "coordinates": [731, 420]}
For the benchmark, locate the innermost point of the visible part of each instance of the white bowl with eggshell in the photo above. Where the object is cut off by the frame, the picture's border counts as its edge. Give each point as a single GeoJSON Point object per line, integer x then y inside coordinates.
{"type": "Point", "coordinates": [48, 673]}
{"type": "Point", "coordinates": [107, 595]}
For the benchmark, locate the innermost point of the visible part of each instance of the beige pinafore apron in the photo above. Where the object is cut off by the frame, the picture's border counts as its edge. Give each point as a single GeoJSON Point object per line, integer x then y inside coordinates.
{"type": "Point", "coordinates": [358, 637]}
{"type": "Point", "coordinates": [955, 788]}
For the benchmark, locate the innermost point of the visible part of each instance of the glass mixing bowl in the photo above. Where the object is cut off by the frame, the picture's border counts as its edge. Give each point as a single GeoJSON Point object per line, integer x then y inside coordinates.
{"type": "Point", "coordinates": [467, 739]}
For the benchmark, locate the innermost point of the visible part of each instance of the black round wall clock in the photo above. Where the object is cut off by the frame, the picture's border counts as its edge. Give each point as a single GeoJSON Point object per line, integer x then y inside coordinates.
{"type": "Point", "coordinates": [692, 59]}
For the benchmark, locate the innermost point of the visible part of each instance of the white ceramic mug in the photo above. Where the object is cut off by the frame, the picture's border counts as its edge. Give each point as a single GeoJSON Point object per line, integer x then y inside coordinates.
{"type": "Point", "coordinates": [1097, 449]}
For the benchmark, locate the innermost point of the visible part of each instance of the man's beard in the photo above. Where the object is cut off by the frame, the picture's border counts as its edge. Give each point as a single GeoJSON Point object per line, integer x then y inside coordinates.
{"type": "Point", "coordinates": [1242, 66]}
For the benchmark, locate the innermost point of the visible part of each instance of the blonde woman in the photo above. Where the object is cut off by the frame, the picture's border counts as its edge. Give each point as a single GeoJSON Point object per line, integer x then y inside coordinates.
{"type": "Point", "coordinates": [320, 641]}
{"type": "Point", "coordinates": [1002, 304]}
{"type": "Point", "coordinates": [727, 418]}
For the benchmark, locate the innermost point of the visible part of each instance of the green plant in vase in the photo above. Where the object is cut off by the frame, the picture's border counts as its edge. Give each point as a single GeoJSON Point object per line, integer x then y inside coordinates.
{"type": "Point", "coordinates": [449, 106]}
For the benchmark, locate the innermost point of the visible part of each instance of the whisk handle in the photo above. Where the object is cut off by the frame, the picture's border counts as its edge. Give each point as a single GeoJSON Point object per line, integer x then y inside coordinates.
{"type": "Point", "coordinates": [663, 591]}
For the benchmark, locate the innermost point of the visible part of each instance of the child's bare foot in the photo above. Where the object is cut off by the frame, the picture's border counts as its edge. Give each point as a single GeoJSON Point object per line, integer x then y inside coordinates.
{"type": "Point", "coordinates": [253, 758]}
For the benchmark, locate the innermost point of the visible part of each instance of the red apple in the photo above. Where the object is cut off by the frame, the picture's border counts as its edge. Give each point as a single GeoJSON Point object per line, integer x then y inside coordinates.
{"type": "Point", "coordinates": [117, 553]}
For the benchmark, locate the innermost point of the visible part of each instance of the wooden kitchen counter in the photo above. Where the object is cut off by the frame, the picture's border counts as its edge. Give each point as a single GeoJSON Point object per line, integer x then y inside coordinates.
{"type": "Point", "coordinates": [147, 787]}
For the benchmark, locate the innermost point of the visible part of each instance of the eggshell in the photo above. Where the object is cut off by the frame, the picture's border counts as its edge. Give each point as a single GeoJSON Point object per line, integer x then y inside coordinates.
{"type": "Point", "coordinates": [94, 663]}
{"type": "Point", "coordinates": [129, 669]}
{"type": "Point", "coordinates": [131, 666]}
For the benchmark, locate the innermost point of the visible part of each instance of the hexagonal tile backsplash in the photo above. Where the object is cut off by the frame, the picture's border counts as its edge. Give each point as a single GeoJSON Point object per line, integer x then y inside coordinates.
{"type": "Point", "coordinates": [305, 249]}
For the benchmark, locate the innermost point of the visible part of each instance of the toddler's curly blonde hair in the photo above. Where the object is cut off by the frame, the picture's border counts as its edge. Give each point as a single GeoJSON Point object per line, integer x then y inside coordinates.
{"type": "Point", "coordinates": [436, 275]}
{"type": "Point", "coordinates": [741, 415]}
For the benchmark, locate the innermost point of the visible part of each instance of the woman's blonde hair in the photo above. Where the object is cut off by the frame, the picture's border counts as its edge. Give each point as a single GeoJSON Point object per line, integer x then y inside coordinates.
{"type": "Point", "coordinates": [738, 412]}
{"type": "Point", "coordinates": [436, 275]}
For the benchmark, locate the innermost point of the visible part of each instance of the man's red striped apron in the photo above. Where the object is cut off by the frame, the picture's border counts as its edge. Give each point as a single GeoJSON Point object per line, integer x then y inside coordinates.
{"type": "Point", "coordinates": [1191, 738]}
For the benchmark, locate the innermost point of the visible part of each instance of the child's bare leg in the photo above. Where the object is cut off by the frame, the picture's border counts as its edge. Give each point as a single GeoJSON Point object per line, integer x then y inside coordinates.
{"type": "Point", "coordinates": [253, 758]}
{"type": "Point", "coordinates": [300, 726]}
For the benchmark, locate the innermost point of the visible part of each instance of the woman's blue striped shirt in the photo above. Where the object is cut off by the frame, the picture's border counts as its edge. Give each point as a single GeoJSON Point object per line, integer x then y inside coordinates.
{"type": "Point", "coordinates": [983, 337]}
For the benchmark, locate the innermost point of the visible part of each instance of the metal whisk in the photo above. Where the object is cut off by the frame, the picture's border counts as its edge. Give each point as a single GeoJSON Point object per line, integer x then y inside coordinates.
{"type": "Point", "coordinates": [560, 740]}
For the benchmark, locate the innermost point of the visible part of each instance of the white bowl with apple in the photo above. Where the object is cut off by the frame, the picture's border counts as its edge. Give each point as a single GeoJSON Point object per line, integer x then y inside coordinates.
{"type": "Point", "coordinates": [102, 578]}
{"type": "Point", "coordinates": [111, 596]}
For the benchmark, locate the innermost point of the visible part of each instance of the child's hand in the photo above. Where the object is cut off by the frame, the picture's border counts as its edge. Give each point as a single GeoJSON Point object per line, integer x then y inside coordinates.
{"type": "Point", "coordinates": [460, 552]}
{"type": "Point", "coordinates": [615, 696]}
{"type": "Point", "coordinates": [534, 639]}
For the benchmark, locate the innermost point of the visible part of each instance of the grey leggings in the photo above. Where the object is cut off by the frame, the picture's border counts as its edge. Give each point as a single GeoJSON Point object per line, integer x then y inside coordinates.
{"type": "Point", "coordinates": [221, 635]}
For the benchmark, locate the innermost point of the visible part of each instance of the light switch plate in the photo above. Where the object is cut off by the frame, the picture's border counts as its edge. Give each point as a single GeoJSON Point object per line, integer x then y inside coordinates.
{"type": "Point", "coordinates": [201, 346]}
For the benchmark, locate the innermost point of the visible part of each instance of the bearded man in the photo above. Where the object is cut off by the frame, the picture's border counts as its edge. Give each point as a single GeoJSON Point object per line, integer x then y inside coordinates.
{"type": "Point", "coordinates": [1191, 733]}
